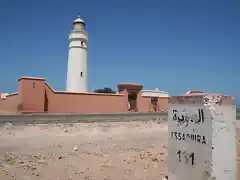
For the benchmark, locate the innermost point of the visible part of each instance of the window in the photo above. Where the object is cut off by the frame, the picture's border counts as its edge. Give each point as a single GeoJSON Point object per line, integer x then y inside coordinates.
{"type": "Point", "coordinates": [81, 74]}
{"type": "Point", "coordinates": [154, 99]}
{"type": "Point", "coordinates": [81, 43]}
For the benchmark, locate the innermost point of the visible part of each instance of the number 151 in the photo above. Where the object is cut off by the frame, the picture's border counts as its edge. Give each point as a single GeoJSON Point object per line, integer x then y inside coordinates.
{"type": "Point", "coordinates": [183, 156]}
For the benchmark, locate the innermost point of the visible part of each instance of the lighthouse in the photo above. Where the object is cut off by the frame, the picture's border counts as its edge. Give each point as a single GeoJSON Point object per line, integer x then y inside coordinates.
{"type": "Point", "coordinates": [77, 72]}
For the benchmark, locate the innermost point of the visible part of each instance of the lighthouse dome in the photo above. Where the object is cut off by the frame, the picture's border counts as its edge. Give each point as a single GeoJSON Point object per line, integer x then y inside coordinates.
{"type": "Point", "coordinates": [79, 20]}
{"type": "Point", "coordinates": [78, 24]}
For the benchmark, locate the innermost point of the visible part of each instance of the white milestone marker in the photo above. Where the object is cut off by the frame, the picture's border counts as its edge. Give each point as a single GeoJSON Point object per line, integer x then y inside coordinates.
{"type": "Point", "coordinates": [201, 132]}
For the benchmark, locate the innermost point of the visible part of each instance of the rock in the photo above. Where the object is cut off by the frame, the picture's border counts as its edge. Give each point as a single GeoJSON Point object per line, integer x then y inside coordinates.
{"type": "Point", "coordinates": [165, 178]}
{"type": "Point", "coordinates": [154, 160]}
{"type": "Point", "coordinates": [75, 148]}
{"type": "Point", "coordinates": [7, 125]}
{"type": "Point", "coordinates": [60, 157]}
{"type": "Point", "coordinates": [41, 161]}
{"type": "Point", "coordinates": [114, 145]}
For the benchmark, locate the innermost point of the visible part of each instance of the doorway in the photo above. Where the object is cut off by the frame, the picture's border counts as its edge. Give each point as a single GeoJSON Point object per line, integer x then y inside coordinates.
{"type": "Point", "coordinates": [154, 105]}
{"type": "Point", "coordinates": [132, 100]}
{"type": "Point", "coordinates": [45, 102]}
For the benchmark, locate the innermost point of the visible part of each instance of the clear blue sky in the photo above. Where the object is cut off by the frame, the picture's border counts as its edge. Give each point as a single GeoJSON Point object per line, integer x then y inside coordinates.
{"type": "Point", "coordinates": [173, 45]}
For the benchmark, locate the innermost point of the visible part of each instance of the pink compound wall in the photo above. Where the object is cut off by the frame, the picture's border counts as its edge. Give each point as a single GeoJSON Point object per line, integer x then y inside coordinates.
{"type": "Point", "coordinates": [35, 95]}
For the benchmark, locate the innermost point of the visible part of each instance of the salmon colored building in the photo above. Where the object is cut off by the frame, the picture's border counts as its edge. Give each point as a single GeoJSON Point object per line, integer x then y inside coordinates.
{"type": "Point", "coordinates": [35, 95]}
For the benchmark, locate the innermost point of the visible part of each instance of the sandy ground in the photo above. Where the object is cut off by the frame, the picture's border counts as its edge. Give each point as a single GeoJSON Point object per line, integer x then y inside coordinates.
{"type": "Point", "coordinates": [99, 151]}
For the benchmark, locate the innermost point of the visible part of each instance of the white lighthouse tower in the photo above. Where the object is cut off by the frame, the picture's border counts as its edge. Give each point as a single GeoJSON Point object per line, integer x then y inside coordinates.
{"type": "Point", "coordinates": [77, 73]}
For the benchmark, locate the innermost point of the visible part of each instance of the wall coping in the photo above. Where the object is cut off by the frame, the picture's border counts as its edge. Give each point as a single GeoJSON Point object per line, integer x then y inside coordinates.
{"type": "Point", "coordinates": [31, 78]}
{"type": "Point", "coordinates": [101, 94]}
{"type": "Point", "coordinates": [64, 92]}
{"type": "Point", "coordinates": [157, 91]}
{"type": "Point", "coordinates": [205, 94]}
{"type": "Point", "coordinates": [162, 97]}
{"type": "Point", "coordinates": [12, 94]}
{"type": "Point", "coordinates": [130, 86]}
